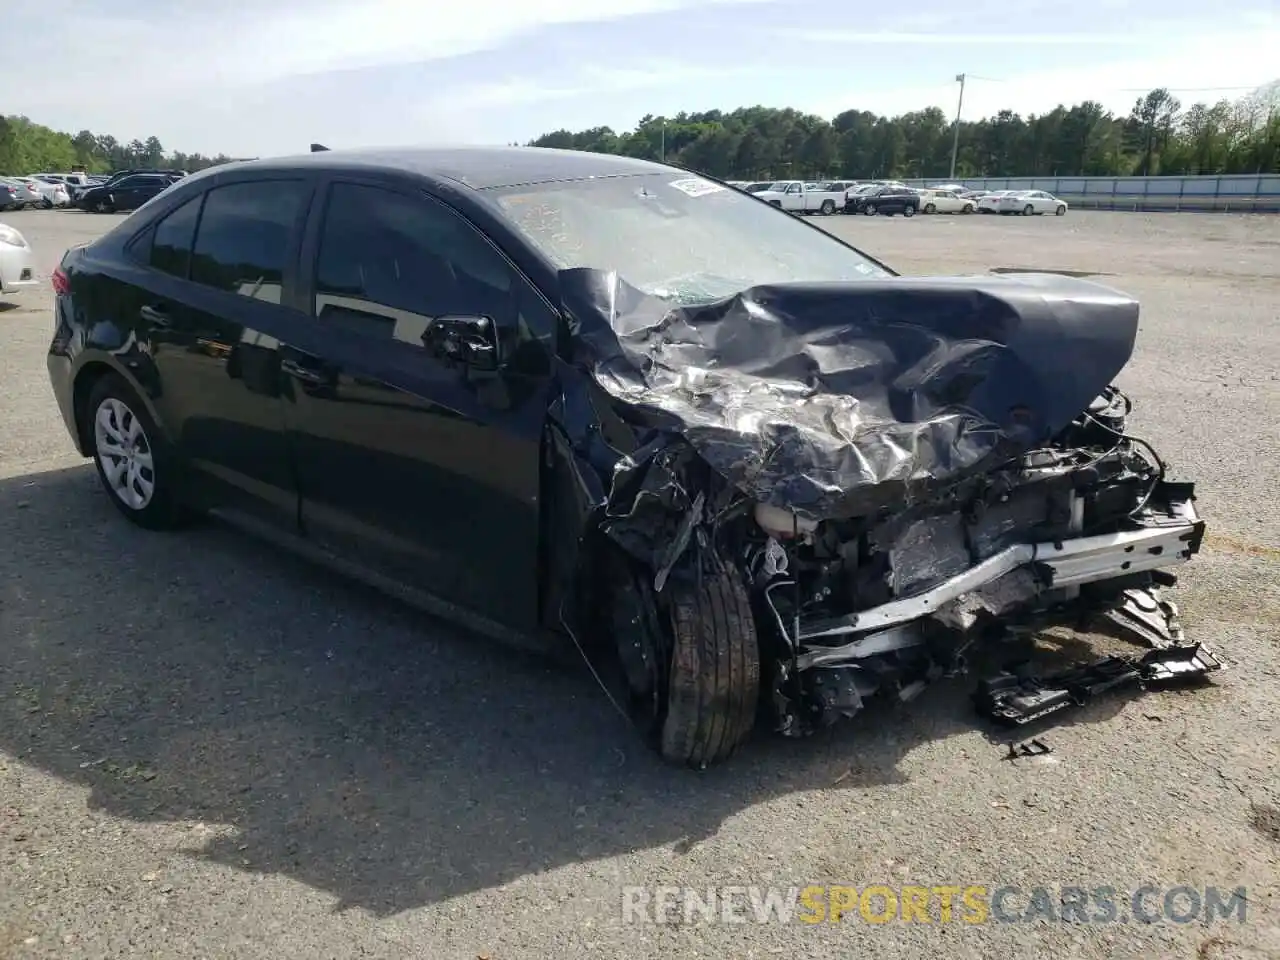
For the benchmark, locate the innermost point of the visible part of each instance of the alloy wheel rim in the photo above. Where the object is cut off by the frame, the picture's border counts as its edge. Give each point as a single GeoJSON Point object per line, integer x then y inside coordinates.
{"type": "Point", "coordinates": [125, 453]}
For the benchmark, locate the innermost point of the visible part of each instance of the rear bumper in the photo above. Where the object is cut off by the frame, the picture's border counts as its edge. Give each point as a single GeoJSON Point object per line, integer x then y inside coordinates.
{"type": "Point", "coordinates": [17, 269]}
{"type": "Point", "coordinates": [61, 365]}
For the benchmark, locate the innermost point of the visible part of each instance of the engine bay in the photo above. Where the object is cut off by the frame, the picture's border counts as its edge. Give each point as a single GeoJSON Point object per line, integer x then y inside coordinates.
{"type": "Point", "coordinates": [853, 607]}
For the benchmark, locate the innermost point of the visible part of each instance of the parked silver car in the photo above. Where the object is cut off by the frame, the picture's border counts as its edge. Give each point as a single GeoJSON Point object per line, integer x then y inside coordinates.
{"type": "Point", "coordinates": [52, 194]}
{"type": "Point", "coordinates": [25, 194]}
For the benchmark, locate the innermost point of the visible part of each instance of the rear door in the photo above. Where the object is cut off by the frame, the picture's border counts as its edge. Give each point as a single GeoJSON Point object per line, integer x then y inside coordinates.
{"type": "Point", "coordinates": [416, 399]}
{"type": "Point", "coordinates": [213, 308]}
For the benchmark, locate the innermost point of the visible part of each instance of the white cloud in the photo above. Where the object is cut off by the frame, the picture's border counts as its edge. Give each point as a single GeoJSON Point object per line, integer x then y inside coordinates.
{"type": "Point", "coordinates": [589, 81]}
{"type": "Point", "coordinates": [1207, 67]}
{"type": "Point", "coordinates": [232, 45]}
{"type": "Point", "coordinates": [863, 38]}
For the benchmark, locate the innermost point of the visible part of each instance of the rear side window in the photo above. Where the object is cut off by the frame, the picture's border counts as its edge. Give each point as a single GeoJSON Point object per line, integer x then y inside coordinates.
{"type": "Point", "coordinates": [171, 241]}
{"type": "Point", "coordinates": [244, 237]}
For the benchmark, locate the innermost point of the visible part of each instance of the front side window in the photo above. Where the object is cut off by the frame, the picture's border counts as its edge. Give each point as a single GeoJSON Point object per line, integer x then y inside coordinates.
{"type": "Point", "coordinates": [389, 263]}
{"type": "Point", "coordinates": [172, 238]}
{"type": "Point", "coordinates": [679, 237]}
{"type": "Point", "coordinates": [244, 236]}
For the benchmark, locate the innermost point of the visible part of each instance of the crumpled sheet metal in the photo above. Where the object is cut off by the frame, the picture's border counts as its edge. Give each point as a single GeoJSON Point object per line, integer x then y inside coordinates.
{"type": "Point", "coordinates": [838, 399]}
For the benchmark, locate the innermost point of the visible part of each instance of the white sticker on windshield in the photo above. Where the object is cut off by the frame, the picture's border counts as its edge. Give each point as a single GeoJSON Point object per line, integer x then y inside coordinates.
{"type": "Point", "coordinates": [696, 187]}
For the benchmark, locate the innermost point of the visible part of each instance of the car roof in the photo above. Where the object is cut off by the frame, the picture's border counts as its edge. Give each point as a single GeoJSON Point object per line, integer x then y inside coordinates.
{"type": "Point", "coordinates": [480, 168]}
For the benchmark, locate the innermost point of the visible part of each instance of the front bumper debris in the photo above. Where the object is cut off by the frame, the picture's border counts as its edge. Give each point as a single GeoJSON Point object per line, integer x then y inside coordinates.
{"type": "Point", "coordinates": [1014, 698]}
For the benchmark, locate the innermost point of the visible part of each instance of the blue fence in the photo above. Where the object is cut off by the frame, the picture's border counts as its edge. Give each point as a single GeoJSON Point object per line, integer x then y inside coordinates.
{"type": "Point", "coordinates": [1233, 193]}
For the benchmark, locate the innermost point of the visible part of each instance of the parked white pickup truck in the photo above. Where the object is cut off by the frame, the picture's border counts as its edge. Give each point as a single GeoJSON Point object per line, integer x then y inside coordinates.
{"type": "Point", "coordinates": [795, 196]}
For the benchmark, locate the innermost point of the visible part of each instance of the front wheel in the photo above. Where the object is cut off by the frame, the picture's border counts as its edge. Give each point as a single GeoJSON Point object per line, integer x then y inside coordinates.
{"type": "Point", "coordinates": [1028, 210]}
{"type": "Point", "coordinates": [828, 207]}
{"type": "Point", "coordinates": [968, 208]}
{"type": "Point", "coordinates": [908, 211]}
{"type": "Point", "coordinates": [134, 464]}
{"type": "Point", "coordinates": [1061, 212]}
{"type": "Point", "coordinates": [869, 210]}
{"type": "Point", "coordinates": [692, 662]}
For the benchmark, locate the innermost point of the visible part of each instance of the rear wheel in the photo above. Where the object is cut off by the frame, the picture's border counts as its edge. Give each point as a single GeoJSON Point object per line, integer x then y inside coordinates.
{"type": "Point", "coordinates": [930, 208]}
{"type": "Point", "coordinates": [691, 659]}
{"type": "Point", "coordinates": [134, 464]}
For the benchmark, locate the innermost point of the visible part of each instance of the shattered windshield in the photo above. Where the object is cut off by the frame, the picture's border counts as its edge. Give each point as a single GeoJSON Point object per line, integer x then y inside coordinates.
{"type": "Point", "coordinates": [676, 236]}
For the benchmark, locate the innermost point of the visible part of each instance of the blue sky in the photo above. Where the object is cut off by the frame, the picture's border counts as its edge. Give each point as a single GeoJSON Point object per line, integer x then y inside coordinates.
{"type": "Point", "coordinates": [256, 80]}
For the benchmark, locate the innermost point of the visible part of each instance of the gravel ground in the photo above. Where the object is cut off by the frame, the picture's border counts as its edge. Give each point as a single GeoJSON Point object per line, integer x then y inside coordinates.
{"type": "Point", "coordinates": [210, 749]}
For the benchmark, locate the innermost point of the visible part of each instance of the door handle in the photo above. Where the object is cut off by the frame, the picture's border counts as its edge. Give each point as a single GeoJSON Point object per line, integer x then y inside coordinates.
{"type": "Point", "coordinates": [299, 372]}
{"type": "Point", "coordinates": [156, 316]}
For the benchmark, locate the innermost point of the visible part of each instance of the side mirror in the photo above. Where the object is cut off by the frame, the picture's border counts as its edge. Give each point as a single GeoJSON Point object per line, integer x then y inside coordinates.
{"type": "Point", "coordinates": [465, 340]}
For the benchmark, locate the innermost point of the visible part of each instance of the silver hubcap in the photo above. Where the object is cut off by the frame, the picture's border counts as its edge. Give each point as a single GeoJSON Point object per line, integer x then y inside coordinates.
{"type": "Point", "coordinates": [125, 453]}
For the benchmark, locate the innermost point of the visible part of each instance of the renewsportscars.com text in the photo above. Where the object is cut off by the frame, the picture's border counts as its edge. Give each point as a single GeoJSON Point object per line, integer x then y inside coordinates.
{"type": "Point", "coordinates": [944, 903]}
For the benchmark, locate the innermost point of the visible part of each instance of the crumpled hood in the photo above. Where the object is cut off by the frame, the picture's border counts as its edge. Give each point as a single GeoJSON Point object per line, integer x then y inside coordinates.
{"type": "Point", "coordinates": [836, 399]}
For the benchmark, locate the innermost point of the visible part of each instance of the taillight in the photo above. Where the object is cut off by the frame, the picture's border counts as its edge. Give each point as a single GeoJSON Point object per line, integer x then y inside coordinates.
{"type": "Point", "coordinates": [61, 282]}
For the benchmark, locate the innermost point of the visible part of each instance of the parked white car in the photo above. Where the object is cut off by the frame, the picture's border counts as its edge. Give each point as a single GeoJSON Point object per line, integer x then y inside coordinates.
{"type": "Point", "coordinates": [990, 203]}
{"type": "Point", "coordinates": [795, 196]}
{"type": "Point", "coordinates": [937, 200]}
{"type": "Point", "coordinates": [1028, 202]}
{"type": "Point", "coordinates": [52, 194]}
{"type": "Point", "coordinates": [17, 264]}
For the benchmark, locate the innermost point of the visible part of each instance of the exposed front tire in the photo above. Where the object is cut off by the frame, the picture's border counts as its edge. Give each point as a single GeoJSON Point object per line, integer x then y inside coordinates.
{"type": "Point", "coordinates": [828, 207]}
{"type": "Point", "coordinates": [692, 662]}
{"type": "Point", "coordinates": [136, 466]}
{"type": "Point", "coordinates": [1061, 212]}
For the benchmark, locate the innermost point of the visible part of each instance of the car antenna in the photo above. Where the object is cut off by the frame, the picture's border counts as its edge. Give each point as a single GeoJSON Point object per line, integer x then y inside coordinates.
{"type": "Point", "coordinates": [318, 148]}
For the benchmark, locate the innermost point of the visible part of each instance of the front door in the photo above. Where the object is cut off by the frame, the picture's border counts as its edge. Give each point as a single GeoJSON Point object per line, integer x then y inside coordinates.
{"type": "Point", "coordinates": [210, 309]}
{"type": "Point", "coordinates": [417, 397]}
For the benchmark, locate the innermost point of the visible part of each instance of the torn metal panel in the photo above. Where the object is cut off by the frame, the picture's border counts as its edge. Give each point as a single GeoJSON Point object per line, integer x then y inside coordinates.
{"type": "Point", "coordinates": [840, 399]}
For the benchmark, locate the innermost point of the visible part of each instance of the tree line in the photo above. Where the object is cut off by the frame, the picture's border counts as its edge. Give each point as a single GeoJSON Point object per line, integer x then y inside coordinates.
{"type": "Point", "coordinates": [27, 147]}
{"type": "Point", "coordinates": [1157, 137]}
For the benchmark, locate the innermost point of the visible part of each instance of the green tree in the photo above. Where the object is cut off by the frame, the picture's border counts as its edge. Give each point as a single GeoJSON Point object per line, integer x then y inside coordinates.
{"type": "Point", "coordinates": [1083, 139]}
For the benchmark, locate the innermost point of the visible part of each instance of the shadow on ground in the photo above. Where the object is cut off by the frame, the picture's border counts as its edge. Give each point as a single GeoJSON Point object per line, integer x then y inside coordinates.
{"type": "Point", "coordinates": [352, 744]}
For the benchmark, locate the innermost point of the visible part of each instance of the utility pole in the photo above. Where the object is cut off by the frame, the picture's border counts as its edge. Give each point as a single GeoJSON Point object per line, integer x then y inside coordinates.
{"type": "Point", "coordinates": [955, 136]}
{"type": "Point", "coordinates": [664, 140]}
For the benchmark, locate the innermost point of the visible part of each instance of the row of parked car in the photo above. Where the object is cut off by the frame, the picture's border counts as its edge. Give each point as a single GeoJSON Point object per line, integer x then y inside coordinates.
{"type": "Point", "coordinates": [889, 197]}
{"type": "Point", "coordinates": [118, 192]}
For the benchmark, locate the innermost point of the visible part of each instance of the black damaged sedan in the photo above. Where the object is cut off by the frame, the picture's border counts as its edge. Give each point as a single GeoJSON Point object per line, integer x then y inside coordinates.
{"type": "Point", "coordinates": [622, 408]}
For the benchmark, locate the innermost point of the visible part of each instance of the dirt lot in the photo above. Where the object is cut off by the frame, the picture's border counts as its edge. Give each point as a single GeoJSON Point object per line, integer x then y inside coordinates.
{"type": "Point", "coordinates": [208, 749]}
